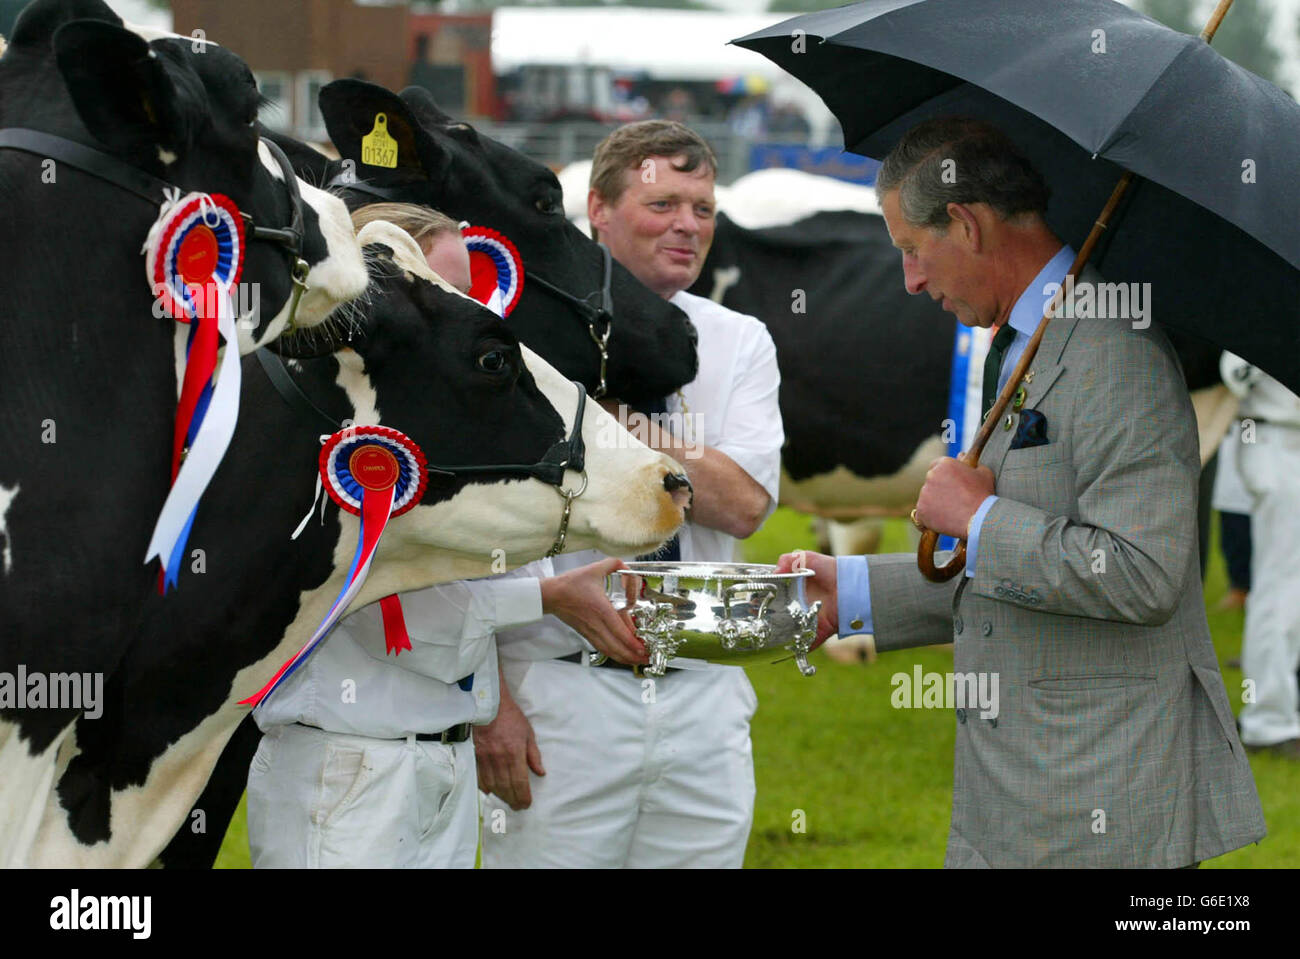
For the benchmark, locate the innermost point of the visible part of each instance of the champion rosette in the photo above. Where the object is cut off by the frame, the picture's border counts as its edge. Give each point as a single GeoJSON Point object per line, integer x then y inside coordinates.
{"type": "Point", "coordinates": [194, 255]}
{"type": "Point", "coordinates": [376, 473]}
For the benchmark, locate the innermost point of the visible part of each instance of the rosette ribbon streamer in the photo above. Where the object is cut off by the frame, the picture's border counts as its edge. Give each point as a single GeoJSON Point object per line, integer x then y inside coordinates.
{"type": "Point", "coordinates": [193, 258]}
{"type": "Point", "coordinates": [376, 473]}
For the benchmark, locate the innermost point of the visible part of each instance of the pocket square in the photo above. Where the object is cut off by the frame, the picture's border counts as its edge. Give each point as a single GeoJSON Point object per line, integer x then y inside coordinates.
{"type": "Point", "coordinates": [1031, 431]}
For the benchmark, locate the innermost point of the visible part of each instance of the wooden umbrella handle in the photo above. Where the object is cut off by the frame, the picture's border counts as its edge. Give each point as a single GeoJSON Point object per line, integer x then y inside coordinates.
{"type": "Point", "coordinates": [925, 558]}
{"type": "Point", "coordinates": [930, 539]}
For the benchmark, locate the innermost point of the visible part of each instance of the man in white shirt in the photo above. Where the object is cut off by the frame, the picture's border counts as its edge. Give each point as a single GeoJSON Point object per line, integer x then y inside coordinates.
{"type": "Point", "coordinates": [1268, 459]}
{"type": "Point", "coordinates": [630, 771]}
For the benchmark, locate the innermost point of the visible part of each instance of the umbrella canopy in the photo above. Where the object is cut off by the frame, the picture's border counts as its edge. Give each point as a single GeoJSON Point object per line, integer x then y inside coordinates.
{"type": "Point", "coordinates": [1087, 89]}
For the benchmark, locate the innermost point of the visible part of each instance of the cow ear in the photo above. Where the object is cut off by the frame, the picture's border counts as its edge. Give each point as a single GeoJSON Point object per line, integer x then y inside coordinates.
{"type": "Point", "coordinates": [119, 86]}
{"type": "Point", "coordinates": [425, 108]}
{"type": "Point", "coordinates": [432, 116]}
{"type": "Point", "coordinates": [351, 108]}
{"type": "Point", "coordinates": [37, 22]}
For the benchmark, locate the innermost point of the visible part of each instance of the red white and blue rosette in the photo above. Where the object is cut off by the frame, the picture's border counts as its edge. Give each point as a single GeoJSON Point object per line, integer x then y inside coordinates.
{"type": "Point", "coordinates": [198, 240]}
{"type": "Point", "coordinates": [496, 269]}
{"type": "Point", "coordinates": [194, 255]}
{"type": "Point", "coordinates": [376, 473]}
{"type": "Point", "coordinates": [365, 459]}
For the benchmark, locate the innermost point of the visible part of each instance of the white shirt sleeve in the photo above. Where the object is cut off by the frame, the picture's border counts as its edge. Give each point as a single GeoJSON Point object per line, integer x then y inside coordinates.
{"type": "Point", "coordinates": [451, 625]}
{"type": "Point", "coordinates": [753, 434]}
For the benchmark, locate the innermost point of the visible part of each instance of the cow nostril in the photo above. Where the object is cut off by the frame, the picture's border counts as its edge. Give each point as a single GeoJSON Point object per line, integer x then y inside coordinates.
{"type": "Point", "coordinates": [679, 490]}
{"type": "Point", "coordinates": [676, 481]}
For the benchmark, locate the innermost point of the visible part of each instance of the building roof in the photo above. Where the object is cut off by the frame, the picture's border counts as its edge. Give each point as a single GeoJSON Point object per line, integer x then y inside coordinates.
{"type": "Point", "coordinates": [660, 43]}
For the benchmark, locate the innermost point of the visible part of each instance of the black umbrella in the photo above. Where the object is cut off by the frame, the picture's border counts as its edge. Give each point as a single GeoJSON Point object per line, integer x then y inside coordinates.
{"type": "Point", "coordinates": [1088, 89]}
{"type": "Point", "coordinates": [1092, 92]}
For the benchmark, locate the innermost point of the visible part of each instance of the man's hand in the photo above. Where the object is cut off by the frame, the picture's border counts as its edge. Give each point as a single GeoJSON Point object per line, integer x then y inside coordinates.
{"type": "Point", "coordinates": [821, 586]}
{"type": "Point", "coordinates": [951, 495]}
{"type": "Point", "coordinates": [504, 750]}
{"type": "Point", "coordinates": [578, 599]}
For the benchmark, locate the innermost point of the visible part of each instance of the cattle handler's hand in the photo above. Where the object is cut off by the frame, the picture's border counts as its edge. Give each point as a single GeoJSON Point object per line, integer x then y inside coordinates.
{"type": "Point", "coordinates": [504, 751]}
{"type": "Point", "coordinates": [578, 599]}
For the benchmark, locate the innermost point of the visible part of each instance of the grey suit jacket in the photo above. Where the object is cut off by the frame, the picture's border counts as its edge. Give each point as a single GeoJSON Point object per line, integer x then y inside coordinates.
{"type": "Point", "coordinates": [1114, 744]}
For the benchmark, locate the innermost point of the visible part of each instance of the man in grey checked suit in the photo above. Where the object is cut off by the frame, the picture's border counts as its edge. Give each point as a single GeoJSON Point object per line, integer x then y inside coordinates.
{"type": "Point", "coordinates": [1113, 743]}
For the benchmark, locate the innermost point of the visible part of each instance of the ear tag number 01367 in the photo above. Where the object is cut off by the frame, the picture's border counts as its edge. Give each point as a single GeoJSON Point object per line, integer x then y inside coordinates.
{"type": "Point", "coordinates": [377, 147]}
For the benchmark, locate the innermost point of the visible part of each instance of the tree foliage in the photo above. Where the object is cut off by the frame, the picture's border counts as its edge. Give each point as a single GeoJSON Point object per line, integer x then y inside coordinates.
{"type": "Point", "coordinates": [1242, 37]}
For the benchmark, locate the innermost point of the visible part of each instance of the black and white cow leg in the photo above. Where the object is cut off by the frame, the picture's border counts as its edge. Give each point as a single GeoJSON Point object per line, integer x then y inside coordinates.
{"type": "Point", "coordinates": [194, 848]}
{"type": "Point", "coordinates": [24, 790]}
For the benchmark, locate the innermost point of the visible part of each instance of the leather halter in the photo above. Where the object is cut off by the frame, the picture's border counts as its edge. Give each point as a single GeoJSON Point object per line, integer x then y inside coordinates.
{"type": "Point", "coordinates": [599, 319]}
{"type": "Point", "coordinates": [566, 454]}
{"type": "Point", "coordinates": [594, 315]}
{"type": "Point", "coordinates": [150, 188]}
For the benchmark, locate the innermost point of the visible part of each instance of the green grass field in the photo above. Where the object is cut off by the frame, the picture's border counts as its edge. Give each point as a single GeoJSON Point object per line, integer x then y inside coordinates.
{"type": "Point", "coordinates": [872, 785]}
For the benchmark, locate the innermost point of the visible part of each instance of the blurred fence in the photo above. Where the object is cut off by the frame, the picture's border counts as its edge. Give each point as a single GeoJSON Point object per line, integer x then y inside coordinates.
{"type": "Point", "coordinates": [557, 144]}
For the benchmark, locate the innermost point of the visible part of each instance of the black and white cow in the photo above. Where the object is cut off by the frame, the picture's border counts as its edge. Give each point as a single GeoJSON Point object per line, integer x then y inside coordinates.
{"type": "Point", "coordinates": [448, 165]}
{"type": "Point", "coordinates": [88, 371]}
{"type": "Point", "coordinates": [864, 366]}
{"type": "Point", "coordinates": [427, 361]}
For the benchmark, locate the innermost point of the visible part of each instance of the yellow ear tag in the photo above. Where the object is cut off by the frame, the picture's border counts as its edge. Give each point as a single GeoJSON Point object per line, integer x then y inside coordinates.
{"type": "Point", "coordinates": [377, 147]}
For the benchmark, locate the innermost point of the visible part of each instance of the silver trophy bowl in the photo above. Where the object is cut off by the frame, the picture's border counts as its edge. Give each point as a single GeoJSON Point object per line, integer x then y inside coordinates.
{"type": "Point", "coordinates": [720, 612]}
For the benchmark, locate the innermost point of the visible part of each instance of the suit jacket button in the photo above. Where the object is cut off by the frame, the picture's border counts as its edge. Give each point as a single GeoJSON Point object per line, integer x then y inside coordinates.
{"type": "Point", "coordinates": [987, 629]}
{"type": "Point", "coordinates": [961, 716]}
{"type": "Point", "coordinates": [856, 624]}
{"type": "Point", "coordinates": [958, 625]}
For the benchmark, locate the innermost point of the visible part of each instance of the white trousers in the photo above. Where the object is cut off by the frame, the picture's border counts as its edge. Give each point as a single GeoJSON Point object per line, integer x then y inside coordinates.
{"type": "Point", "coordinates": [640, 773]}
{"type": "Point", "coordinates": [327, 800]}
{"type": "Point", "coordinates": [1270, 652]}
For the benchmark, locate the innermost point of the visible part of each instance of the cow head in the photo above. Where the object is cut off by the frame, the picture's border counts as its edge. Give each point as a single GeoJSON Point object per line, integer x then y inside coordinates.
{"type": "Point", "coordinates": [419, 356]}
{"type": "Point", "coordinates": [185, 113]}
{"type": "Point", "coordinates": [445, 164]}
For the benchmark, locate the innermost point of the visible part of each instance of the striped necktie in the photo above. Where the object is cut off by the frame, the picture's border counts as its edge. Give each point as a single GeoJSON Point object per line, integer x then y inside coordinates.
{"type": "Point", "coordinates": [993, 366]}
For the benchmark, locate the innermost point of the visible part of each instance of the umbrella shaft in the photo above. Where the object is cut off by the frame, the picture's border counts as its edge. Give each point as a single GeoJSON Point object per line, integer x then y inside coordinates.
{"type": "Point", "coordinates": [1212, 25]}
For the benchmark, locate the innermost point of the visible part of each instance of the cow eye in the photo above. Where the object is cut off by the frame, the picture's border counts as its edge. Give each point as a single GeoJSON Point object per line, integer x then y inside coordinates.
{"type": "Point", "coordinates": [548, 206]}
{"type": "Point", "coordinates": [493, 361]}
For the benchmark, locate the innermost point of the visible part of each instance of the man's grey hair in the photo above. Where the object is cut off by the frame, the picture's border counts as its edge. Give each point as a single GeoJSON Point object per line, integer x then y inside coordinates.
{"type": "Point", "coordinates": [959, 160]}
